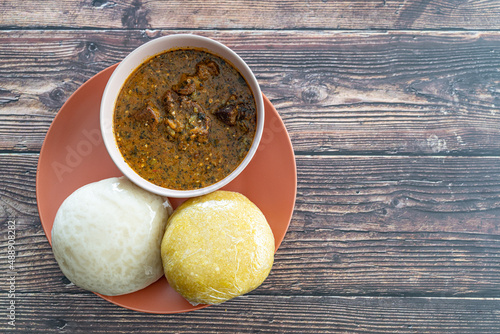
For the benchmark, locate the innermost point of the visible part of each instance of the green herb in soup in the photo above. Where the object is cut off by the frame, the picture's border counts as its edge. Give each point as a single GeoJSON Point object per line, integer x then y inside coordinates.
{"type": "Point", "coordinates": [185, 119]}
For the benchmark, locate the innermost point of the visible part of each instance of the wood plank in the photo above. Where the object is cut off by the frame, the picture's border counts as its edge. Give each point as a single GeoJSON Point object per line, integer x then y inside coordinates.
{"type": "Point", "coordinates": [431, 187]}
{"type": "Point", "coordinates": [347, 93]}
{"type": "Point", "coordinates": [62, 313]}
{"type": "Point", "coordinates": [241, 14]}
{"type": "Point", "coordinates": [380, 226]}
{"type": "Point", "coordinates": [338, 262]}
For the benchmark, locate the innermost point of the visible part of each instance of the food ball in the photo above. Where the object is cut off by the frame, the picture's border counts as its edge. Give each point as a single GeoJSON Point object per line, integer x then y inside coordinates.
{"type": "Point", "coordinates": [106, 236]}
{"type": "Point", "coordinates": [217, 247]}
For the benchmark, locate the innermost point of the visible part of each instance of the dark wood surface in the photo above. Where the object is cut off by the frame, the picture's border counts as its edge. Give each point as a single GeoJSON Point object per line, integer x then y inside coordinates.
{"type": "Point", "coordinates": [393, 109]}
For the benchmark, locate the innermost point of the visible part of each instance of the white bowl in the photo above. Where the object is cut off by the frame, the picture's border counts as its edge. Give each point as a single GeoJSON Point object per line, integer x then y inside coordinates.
{"type": "Point", "coordinates": [134, 60]}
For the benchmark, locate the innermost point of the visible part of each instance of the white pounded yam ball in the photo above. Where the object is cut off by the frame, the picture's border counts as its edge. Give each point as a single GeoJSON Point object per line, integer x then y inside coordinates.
{"type": "Point", "coordinates": [106, 237]}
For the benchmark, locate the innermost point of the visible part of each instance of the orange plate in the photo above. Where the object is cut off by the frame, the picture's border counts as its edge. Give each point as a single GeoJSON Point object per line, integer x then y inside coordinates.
{"type": "Point", "coordinates": [73, 155]}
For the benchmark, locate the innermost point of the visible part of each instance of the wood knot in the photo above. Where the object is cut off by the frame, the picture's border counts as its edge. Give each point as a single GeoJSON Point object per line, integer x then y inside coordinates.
{"type": "Point", "coordinates": [88, 51]}
{"type": "Point", "coordinates": [57, 323]}
{"type": "Point", "coordinates": [136, 16]}
{"type": "Point", "coordinates": [55, 98]}
{"type": "Point", "coordinates": [92, 47]}
{"type": "Point", "coordinates": [399, 202]}
{"type": "Point", "coordinates": [57, 94]}
{"type": "Point", "coordinates": [311, 94]}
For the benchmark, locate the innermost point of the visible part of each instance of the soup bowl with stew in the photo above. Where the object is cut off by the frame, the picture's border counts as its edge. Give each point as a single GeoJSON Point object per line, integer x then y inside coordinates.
{"type": "Point", "coordinates": [182, 115]}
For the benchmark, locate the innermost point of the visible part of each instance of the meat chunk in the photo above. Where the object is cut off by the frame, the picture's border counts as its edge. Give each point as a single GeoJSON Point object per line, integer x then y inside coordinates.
{"type": "Point", "coordinates": [228, 114]}
{"type": "Point", "coordinates": [245, 116]}
{"type": "Point", "coordinates": [170, 97]}
{"type": "Point", "coordinates": [171, 103]}
{"type": "Point", "coordinates": [236, 113]}
{"type": "Point", "coordinates": [206, 69]}
{"type": "Point", "coordinates": [185, 118]}
{"type": "Point", "coordinates": [198, 122]}
{"type": "Point", "coordinates": [149, 113]}
{"type": "Point", "coordinates": [186, 85]}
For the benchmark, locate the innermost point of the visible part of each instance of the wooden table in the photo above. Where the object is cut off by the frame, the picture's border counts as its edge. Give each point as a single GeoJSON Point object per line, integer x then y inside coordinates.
{"type": "Point", "coordinates": [393, 109]}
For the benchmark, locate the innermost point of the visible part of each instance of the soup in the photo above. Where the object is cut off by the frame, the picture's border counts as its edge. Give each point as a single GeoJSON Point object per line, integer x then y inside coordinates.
{"type": "Point", "coordinates": [185, 119]}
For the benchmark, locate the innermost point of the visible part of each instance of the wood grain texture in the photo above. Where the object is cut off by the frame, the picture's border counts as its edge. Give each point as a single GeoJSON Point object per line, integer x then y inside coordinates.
{"type": "Point", "coordinates": [339, 262]}
{"type": "Point", "coordinates": [244, 14]}
{"type": "Point", "coordinates": [393, 108]}
{"type": "Point", "coordinates": [17, 186]}
{"type": "Point", "coordinates": [363, 226]}
{"type": "Point", "coordinates": [392, 93]}
{"type": "Point", "coordinates": [87, 313]}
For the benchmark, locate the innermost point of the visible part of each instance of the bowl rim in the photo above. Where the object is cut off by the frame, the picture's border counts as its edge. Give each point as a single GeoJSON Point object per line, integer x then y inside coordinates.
{"type": "Point", "coordinates": [138, 56]}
